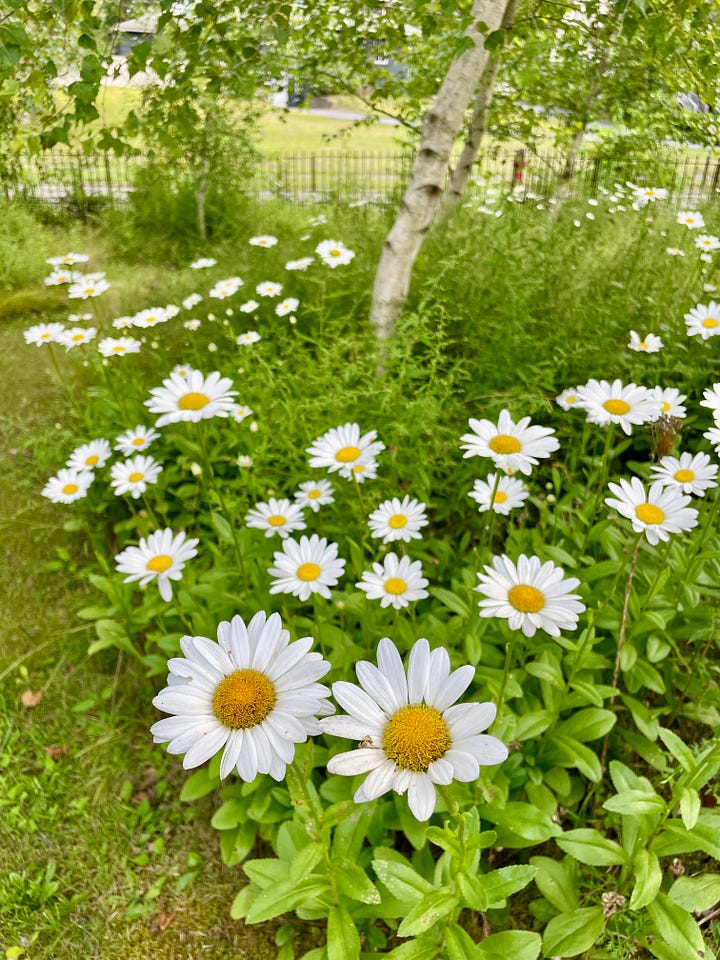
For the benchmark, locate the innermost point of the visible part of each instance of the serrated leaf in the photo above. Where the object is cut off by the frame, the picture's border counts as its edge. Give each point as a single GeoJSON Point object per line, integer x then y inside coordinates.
{"type": "Point", "coordinates": [557, 882]}
{"type": "Point", "coordinates": [343, 939]}
{"type": "Point", "coordinates": [500, 884]}
{"type": "Point", "coordinates": [199, 784]}
{"type": "Point", "coordinates": [696, 893]}
{"type": "Point", "coordinates": [591, 847]}
{"type": "Point", "coordinates": [689, 807]}
{"type": "Point", "coordinates": [402, 880]}
{"type": "Point", "coordinates": [518, 944]}
{"type": "Point", "coordinates": [425, 914]}
{"type": "Point", "coordinates": [631, 802]}
{"type": "Point", "coordinates": [648, 877]}
{"type": "Point", "coordinates": [230, 814]}
{"type": "Point", "coordinates": [676, 928]}
{"type": "Point", "coordinates": [355, 883]}
{"type": "Point", "coordinates": [284, 897]}
{"type": "Point", "coordinates": [682, 753]}
{"type": "Point", "coordinates": [589, 724]}
{"type": "Point", "coordinates": [572, 933]}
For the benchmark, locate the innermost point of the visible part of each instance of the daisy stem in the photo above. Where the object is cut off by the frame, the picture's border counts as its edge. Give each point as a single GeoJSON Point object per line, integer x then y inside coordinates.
{"type": "Point", "coordinates": [63, 384]}
{"type": "Point", "coordinates": [488, 532]}
{"type": "Point", "coordinates": [621, 638]}
{"type": "Point", "coordinates": [506, 674]}
{"type": "Point", "coordinates": [221, 500]}
{"type": "Point", "coordinates": [359, 493]}
{"type": "Point", "coordinates": [602, 483]}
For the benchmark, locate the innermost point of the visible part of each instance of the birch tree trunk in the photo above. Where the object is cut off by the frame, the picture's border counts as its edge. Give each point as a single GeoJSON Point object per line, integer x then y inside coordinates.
{"type": "Point", "coordinates": [478, 122]}
{"type": "Point", "coordinates": [422, 196]}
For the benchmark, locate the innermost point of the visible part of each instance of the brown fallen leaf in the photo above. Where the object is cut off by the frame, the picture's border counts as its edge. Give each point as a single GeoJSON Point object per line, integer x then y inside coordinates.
{"type": "Point", "coordinates": [162, 921]}
{"type": "Point", "coordinates": [55, 752]}
{"type": "Point", "coordinates": [28, 698]}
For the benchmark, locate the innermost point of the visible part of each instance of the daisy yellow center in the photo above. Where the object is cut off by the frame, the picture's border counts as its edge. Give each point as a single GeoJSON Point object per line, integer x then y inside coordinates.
{"type": "Point", "coordinates": [397, 521]}
{"type": "Point", "coordinates": [665, 407]}
{"type": "Point", "coordinates": [526, 599]}
{"type": "Point", "coordinates": [193, 401]}
{"type": "Point", "coordinates": [358, 468]}
{"type": "Point", "coordinates": [617, 407]}
{"type": "Point", "coordinates": [335, 253]}
{"type": "Point", "coordinates": [119, 349]}
{"type": "Point", "coordinates": [138, 441]}
{"type": "Point", "coordinates": [159, 563]}
{"type": "Point", "coordinates": [89, 290]}
{"type": "Point", "coordinates": [135, 477]}
{"type": "Point", "coordinates": [499, 497]}
{"type": "Point", "coordinates": [70, 488]}
{"type": "Point", "coordinates": [347, 454]}
{"type": "Point", "coordinates": [276, 520]}
{"type": "Point", "coordinates": [395, 585]}
{"type": "Point", "coordinates": [710, 322]}
{"type": "Point", "coordinates": [45, 336]}
{"type": "Point", "coordinates": [570, 398]}
{"type": "Point", "coordinates": [78, 337]}
{"type": "Point", "coordinates": [642, 344]}
{"type": "Point", "coordinates": [314, 494]}
{"type": "Point", "coordinates": [307, 572]}
{"type": "Point", "coordinates": [244, 699]}
{"type": "Point", "coordinates": [91, 461]}
{"type": "Point", "coordinates": [503, 443]}
{"type": "Point", "coordinates": [684, 476]}
{"type": "Point", "coordinates": [649, 513]}
{"type": "Point", "coordinates": [416, 736]}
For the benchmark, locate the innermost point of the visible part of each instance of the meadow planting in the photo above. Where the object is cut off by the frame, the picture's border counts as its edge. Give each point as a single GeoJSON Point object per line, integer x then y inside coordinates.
{"type": "Point", "coordinates": [431, 624]}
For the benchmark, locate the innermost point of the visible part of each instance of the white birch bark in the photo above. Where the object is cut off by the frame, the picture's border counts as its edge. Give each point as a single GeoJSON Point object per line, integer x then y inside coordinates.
{"type": "Point", "coordinates": [429, 171]}
{"type": "Point", "coordinates": [478, 122]}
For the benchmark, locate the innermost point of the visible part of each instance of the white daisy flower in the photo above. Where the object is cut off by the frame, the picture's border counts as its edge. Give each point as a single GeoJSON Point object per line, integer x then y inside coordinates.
{"type": "Point", "coordinates": [192, 325]}
{"type": "Point", "coordinates": [530, 595]}
{"type": "Point", "coordinates": [268, 289]}
{"type": "Point", "coordinates": [706, 257]}
{"type": "Point", "coordinates": [226, 288]}
{"type": "Point", "coordinates": [276, 516]}
{"type": "Point", "coordinates": [111, 347]}
{"type": "Point", "coordinates": [512, 446]}
{"type": "Point", "coordinates": [194, 397]}
{"type": "Point", "coordinates": [302, 264]}
{"type": "Point", "coordinates": [150, 317]}
{"type": "Point", "coordinates": [397, 519]}
{"type": "Point", "coordinates": [670, 400]}
{"type": "Point", "coordinates": [628, 405]}
{"type": "Point", "coordinates": [249, 307]}
{"type": "Point", "coordinates": [315, 494]}
{"type": "Point", "coordinates": [239, 412]}
{"type": "Point", "coordinates": [133, 476]}
{"type": "Point", "coordinates": [69, 485]}
{"type": "Point", "coordinates": [569, 399]}
{"type": "Point", "coordinates": [709, 288]}
{"type": "Point", "coordinates": [43, 333]}
{"type": "Point", "coordinates": [58, 277]}
{"type": "Point", "coordinates": [691, 218]}
{"type": "Point", "coordinates": [510, 493]}
{"type": "Point", "coordinates": [656, 513]}
{"type": "Point", "coordinates": [171, 310]}
{"type": "Point", "coordinates": [707, 242]}
{"type": "Point", "coordinates": [76, 336]}
{"type": "Point", "coordinates": [250, 336]}
{"type": "Point", "coordinates": [122, 323]}
{"type": "Point", "coordinates": [288, 305]}
{"type": "Point", "coordinates": [182, 370]}
{"type": "Point", "coordinates": [395, 582]}
{"type": "Point", "coordinates": [342, 448]}
{"type": "Point", "coordinates": [711, 399]}
{"type": "Point", "coordinates": [363, 471]}
{"type": "Point", "coordinates": [333, 253]}
{"type": "Point", "coordinates": [192, 301]}
{"type": "Point", "coordinates": [703, 319]}
{"type": "Point", "coordinates": [69, 258]}
{"type": "Point", "coordinates": [318, 220]}
{"type": "Point", "coordinates": [650, 343]}
{"type": "Point", "coordinates": [645, 195]}
{"type": "Point", "coordinates": [253, 695]}
{"type": "Point", "coordinates": [691, 474]}
{"type": "Point", "coordinates": [90, 455]}
{"type": "Point", "coordinates": [675, 252]}
{"type": "Point", "coordinates": [79, 317]}
{"type": "Point", "coordinates": [713, 435]}
{"type": "Point", "coordinates": [133, 441]}
{"type": "Point", "coordinates": [87, 288]}
{"type": "Point", "coordinates": [160, 556]}
{"type": "Point", "coordinates": [411, 731]}
{"type": "Point", "coordinates": [263, 241]}
{"type": "Point", "coordinates": [203, 263]}
{"type": "Point", "coordinates": [306, 567]}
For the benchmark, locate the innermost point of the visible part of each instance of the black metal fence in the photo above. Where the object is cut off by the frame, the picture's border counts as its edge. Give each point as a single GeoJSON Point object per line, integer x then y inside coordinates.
{"type": "Point", "coordinates": [86, 180]}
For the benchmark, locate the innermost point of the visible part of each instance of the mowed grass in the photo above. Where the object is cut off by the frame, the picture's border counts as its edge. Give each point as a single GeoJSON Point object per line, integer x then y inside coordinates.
{"type": "Point", "coordinates": [99, 858]}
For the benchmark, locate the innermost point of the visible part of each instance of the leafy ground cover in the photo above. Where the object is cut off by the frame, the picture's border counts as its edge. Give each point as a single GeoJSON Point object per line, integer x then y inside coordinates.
{"type": "Point", "coordinates": [597, 836]}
